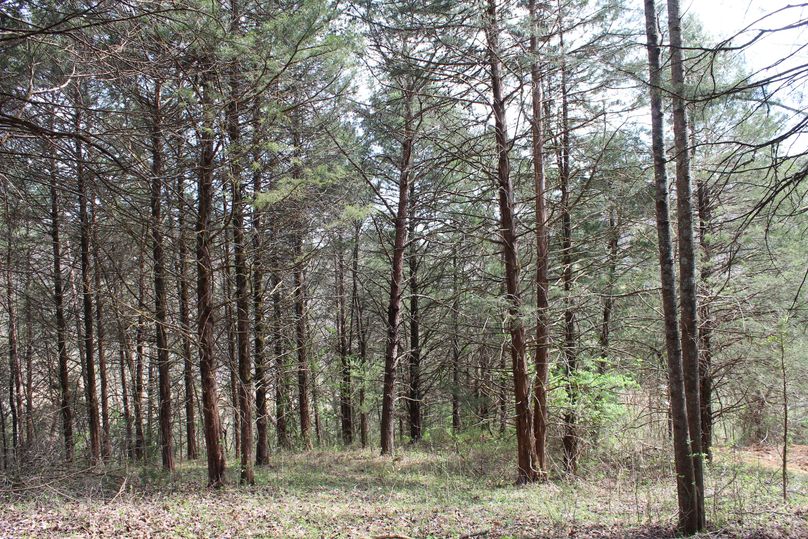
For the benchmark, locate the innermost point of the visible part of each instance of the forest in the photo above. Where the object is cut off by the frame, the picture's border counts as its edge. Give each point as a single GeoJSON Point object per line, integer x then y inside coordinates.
{"type": "Point", "coordinates": [403, 268]}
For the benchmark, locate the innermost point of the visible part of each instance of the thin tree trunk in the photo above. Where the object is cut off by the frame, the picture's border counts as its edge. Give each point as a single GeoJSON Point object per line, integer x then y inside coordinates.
{"type": "Point", "coordinates": [414, 398]}
{"type": "Point", "coordinates": [163, 367]}
{"type": "Point", "coordinates": [707, 322]}
{"type": "Point", "coordinates": [687, 256]}
{"type": "Point", "coordinates": [346, 409]}
{"type": "Point", "coordinates": [281, 391]}
{"type": "Point", "coordinates": [259, 355]}
{"type": "Point", "coordinates": [456, 423]}
{"type": "Point", "coordinates": [61, 324]}
{"type": "Point", "coordinates": [87, 302]}
{"type": "Point", "coordinates": [106, 440]}
{"type": "Point", "coordinates": [526, 449]}
{"type": "Point", "coordinates": [570, 436]}
{"type": "Point", "coordinates": [300, 342]}
{"type": "Point", "coordinates": [185, 324]}
{"type": "Point", "coordinates": [140, 336]}
{"type": "Point", "coordinates": [14, 378]}
{"type": "Point", "coordinates": [686, 495]}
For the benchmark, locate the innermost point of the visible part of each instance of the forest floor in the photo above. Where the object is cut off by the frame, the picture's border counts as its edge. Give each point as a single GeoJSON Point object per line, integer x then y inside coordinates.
{"type": "Point", "coordinates": [424, 492]}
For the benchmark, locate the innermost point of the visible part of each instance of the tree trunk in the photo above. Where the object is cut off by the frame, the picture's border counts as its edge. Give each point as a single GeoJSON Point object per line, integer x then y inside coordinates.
{"type": "Point", "coordinates": [259, 355]}
{"type": "Point", "coordinates": [346, 409]}
{"type": "Point", "coordinates": [687, 497]}
{"type": "Point", "coordinates": [301, 345]}
{"type": "Point", "coordinates": [281, 391]}
{"type": "Point", "coordinates": [707, 322]}
{"type": "Point", "coordinates": [140, 335]}
{"type": "Point", "coordinates": [397, 281]}
{"type": "Point", "coordinates": [87, 302]}
{"type": "Point", "coordinates": [542, 247]}
{"type": "Point", "coordinates": [106, 441]}
{"type": "Point", "coordinates": [526, 450]}
{"type": "Point", "coordinates": [185, 324]}
{"type": "Point", "coordinates": [414, 398]}
{"type": "Point", "coordinates": [456, 424]}
{"type": "Point", "coordinates": [245, 387]}
{"type": "Point", "coordinates": [163, 367]}
{"type": "Point", "coordinates": [687, 256]}
{"type": "Point", "coordinates": [14, 377]}
{"type": "Point", "coordinates": [204, 266]}
{"type": "Point", "coordinates": [61, 324]}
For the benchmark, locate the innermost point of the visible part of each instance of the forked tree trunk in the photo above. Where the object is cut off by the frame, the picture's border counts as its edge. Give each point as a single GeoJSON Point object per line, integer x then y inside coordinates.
{"type": "Point", "coordinates": [686, 494]}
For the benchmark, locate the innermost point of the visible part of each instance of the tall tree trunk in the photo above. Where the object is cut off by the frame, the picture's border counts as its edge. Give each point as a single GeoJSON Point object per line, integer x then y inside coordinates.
{"type": "Point", "coordinates": [232, 365]}
{"type": "Point", "coordinates": [301, 345]}
{"type": "Point", "coordinates": [570, 436]}
{"type": "Point", "coordinates": [456, 423]}
{"type": "Point", "coordinates": [245, 391]}
{"type": "Point", "coordinates": [281, 391]}
{"type": "Point", "coordinates": [204, 290]}
{"type": "Point", "coordinates": [397, 280]}
{"type": "Point", "coordinates": [705, 316]}
{"type": "Point", "coordinates": [61, 324]}
{"type": "Point", "coordinates": [345, 407]}
{"type": "Point", "coordinates": [185, 324]}
{"type": "Point", "coordinates": [414, 398]}
{"type": "Point", "coordinates": [127, 414]}
{"type": "Point", "coordinates": [685, 476]}
{"type": "Point", "coordinates": [163, 366]}
{"type": "Point", "coordinates": [613, 239]}
{"type": "Point", "coordinates": [106, 440]}
{"type": "Point", "coordinates": [259, 355]}
{"type": "Point", "coordinates": [14, 377]}
{"type": "Point", "coordinates": [356, 320]}
{"type": "Point", "coordinates": [87, 302]}
{"type": "Point", "coordinates": [687, 255]}
{"type": "Point", "coordinates": [140, 337]}
{"type": "Point", "coordinates": [526, 449]}
{"type": "Point", "coordinates": [542, 246]}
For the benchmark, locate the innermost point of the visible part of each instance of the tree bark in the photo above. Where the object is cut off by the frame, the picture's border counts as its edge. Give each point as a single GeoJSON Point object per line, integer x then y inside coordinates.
{"type": "Point", "coordinates": [259, 355]}
{"type": "Point", "coordinates": [542, 247]}
{"type": "Point", "coordinates": [346, 409]}
{"type": "Point", "coordinates": [204, 266]}
{"type": "Point", "coordinates": [685, 478]}
{"type": "Point", "coordinates": [397, 281]}
{"type": "Point", "coordinates": [61, 324]}
{"type": "Point", "coordinates": [192, 450]}
{"type": "Point", "coordinates": [687, 255]}
{"type": "Point", "coordinates": [87, 302]}
{"type": "Point", "coordinates": [414, 397]}
{"type": "Point", "coordinates": [163, 367]}
{"type": "Point", "coordinates": [106, 440]}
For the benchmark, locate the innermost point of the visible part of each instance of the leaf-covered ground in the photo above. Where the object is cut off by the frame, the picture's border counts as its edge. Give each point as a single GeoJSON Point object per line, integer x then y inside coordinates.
{"type": "Point", "coordinates": [422, 493]}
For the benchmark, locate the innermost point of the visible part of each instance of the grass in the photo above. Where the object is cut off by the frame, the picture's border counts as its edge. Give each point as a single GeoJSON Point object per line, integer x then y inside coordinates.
{"type": "Point", "coordinates": [423, 492]}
